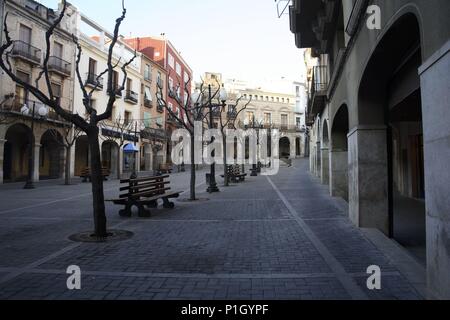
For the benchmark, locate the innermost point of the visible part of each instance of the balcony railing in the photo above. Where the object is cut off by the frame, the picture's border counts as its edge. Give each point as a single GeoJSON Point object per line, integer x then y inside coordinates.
{"type": "Point", "coordinates": [160, 83]}
{"type": "Point", "coordinates": [94, 81]}
{"type": "Point", "coordinates": [18, 105]}
{"type": "Point", "coordinates": [232, 115]}
{"type": "Point", "coordinates": [117, 90]}
{"type": "Point", "coordinates": [131, 96]}
{"type": "Point", "coordinates": [160, 108]}
{"type": "Point", "coordinates": [148, 103]}
{"type": "Point", "coordinates": [319, 89]}
{"type": "Point", "coordinates": [58, 65]}
{"type": "Point", "coordinates": [26, 52]}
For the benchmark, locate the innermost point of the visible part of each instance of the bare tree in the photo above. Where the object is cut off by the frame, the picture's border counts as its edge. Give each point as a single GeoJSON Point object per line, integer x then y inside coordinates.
{"type": "Point", "coordinates": [121, 127]}
{"type": "Point", "coordinates": [192, 111]}
{"type": "Point", "coordinates": [90, 126]}
{"type": "Point", "coordinates": [224, 126]}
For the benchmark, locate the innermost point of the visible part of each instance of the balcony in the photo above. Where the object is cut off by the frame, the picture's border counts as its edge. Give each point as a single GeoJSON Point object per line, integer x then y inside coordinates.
{"type": "Point", "coordinates": [94, 81]}
{"type": "Point", "coordinates": [60, 66]}
{"type": "Point", "coordinates": [117, 90]}
{"type": "Point", "coordinates": [319, 88]}
{"type": "Point", "coordinates": [160, 108]}
{"type": "Point", "coordinates": [26, 52]}
{"type": "Point", "coordinates": [232, 115]}
{"type": "Point", "coordinates": [131, 97]}
{"type": "Point", "coordinates": [18, 104]}
{"type": "Point", "coordinates": [148, 103]}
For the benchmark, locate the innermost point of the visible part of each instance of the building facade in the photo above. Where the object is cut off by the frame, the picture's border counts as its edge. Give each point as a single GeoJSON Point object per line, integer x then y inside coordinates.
{"type": "Point", "coordinates": [163, 52]}
{"type": "Point", "coordinates": [154, 138]}
{"type": "Point", "coordinates": [378, 96]}
{"type": "Point", "coordinates": [123, 128]}
{"type": "Point", "coordinates": [21, 127]}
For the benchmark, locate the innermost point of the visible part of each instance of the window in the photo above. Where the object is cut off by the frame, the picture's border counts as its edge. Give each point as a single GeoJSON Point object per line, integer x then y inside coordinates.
{"type": "Point", "coordinates": [148, 94]}
{"type": "Point", "coordinates": [58, 50]}
{"type": "Point", "coordinates": [267, 98]}
{"type": "Point", "coordinates": [92, 67]}
{"type": "Point", "coordinates": [297, 91]}
{"type": "Point", "coordinates": [284, 120]}
{"type": "Point", "coordinates": [250, 117]}
{"type": "Point", "coordinates": [25, 34]}
{"type": "Point", "coordinates": [178, 69]}
{"type": "Point", "coordinates": [288, 101]}
{"type": "Point", "coordinates": [171, 61]}
{"type": "Point", "coordinates": [267, 118]}
{"type": "Point", "coordinates": [127, 117]}
{"type": "Point", "coordinates": [170, 84]}
{"type": "Point", "coordinates": [298, 122]}
{"type": "Point", "coordinates": [272, 99]}
{"type": "Point", "coordinates": [282, 100]}
{"type": "Point", "coordinates": [148, 72]}
{"type": "Point", "coordinates": [147, 119]}
{"type": "Point", "coordinates": [278, 99]}
{"type": "Point", "coordinates": [186, 77]}
{"type": "Point", "coordinates": [231, 108]}
{"type": "Point", "coordinates": [22, 94]}
{"type": "Point", "coordinates": [56, 89]}
{"type": "Point", "coordinates": [129, 85]}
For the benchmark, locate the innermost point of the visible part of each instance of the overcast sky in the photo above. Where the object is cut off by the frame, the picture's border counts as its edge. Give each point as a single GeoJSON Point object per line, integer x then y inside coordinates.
{"type": "Point", "coordinates": [242, 39]}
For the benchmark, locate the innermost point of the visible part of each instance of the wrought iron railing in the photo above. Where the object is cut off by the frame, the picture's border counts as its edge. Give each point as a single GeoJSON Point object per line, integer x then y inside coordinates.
{"type": "Point", "coordinates": [94, 80]}
{"type": "Point", "coordinates": [27, 51]}
{"type": "Point", "coordinates": [131, 96]}
{"type": "Point", "coordinates": [59, 65]}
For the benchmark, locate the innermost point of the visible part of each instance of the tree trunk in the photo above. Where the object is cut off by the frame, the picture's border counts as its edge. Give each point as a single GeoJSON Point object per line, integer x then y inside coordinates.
{"type": "Point", "coordinates": [118, 163]}
{"type": "Point", "coordinates": [193, 169]}
{"type": "Point", "coordinates": [67, 168]}
{"type": "Point", "coordinates": [97, 184]}
{"type": "Point", "coordinates": [225, 169]}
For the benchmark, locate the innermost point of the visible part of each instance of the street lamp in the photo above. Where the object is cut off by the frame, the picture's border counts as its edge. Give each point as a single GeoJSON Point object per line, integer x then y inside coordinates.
{"type": "Point", "coordinates": [43, 112]}
{"type": "Point", "coordinates": [256, 168]}
{"type": "Point", "coordinates": [212, 188]}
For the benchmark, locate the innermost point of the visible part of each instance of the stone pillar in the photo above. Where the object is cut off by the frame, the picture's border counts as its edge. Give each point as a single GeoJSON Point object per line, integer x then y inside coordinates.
{"type": "Point", "coordinates": [72, 161]}
{"type": "Point", "coordinates": [435, 81]}
{"type": "Point", "coordinates": [293, 145]}
{"type": "Point", "coordinates": [318, 164]}
{"type": "Point", "coordinates": [37, 152]}
{"type": "Point", "coordinates": [339, 174]}
{"type": "Point", "coordinates": [325, 167]}
{"type": "Point", "coordinates": [2, 150]}
{"type": "Point", "coordinates": [368, 178]}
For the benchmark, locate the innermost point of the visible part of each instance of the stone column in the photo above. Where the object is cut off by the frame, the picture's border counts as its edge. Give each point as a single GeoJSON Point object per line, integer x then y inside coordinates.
{"type": "Point", "coordinates": [2, 150]}
{"type": "Point", "coordinates": [339, 174]}
{"type": "Point", "coordinates": [368, 178]}
{"type": "Point", "coordinates": [435, 81]}
{"type": "Point", "coordinates": [318, 164]}
{"type": "Point", "coordinates": [325, 167]}
{"type": "Point", "coordinates": [37, 152]}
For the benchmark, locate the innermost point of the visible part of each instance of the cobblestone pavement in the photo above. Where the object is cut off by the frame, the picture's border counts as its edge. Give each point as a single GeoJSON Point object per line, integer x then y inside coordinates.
{"type": "Point", "coordinates": [280, 237]}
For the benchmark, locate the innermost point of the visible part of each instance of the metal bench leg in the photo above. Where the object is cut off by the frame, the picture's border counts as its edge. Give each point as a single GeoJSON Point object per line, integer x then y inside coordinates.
{"type": "Point", "coordinates": [167, 204]}
{"type": "Point", "coordinates": [153, 204]}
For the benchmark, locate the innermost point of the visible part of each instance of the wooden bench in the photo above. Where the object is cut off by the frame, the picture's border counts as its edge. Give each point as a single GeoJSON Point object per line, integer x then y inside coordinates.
{"type": "Point", "coordinates": [86, 174]}
{"type": "Point", "coordinates": [165, 168]}
{"type": "Point", "coordinates": [145, 192]}
{"type": "Point", "coordinates": [234, 174]}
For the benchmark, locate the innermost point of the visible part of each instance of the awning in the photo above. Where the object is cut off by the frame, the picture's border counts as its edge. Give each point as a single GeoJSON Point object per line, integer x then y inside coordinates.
{"type": "Point", "coordinates": [130, 148]}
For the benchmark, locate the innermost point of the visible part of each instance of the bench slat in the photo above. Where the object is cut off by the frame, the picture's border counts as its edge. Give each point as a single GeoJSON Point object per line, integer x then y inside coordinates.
{"type": "Point", "coordinates": [144, 179]}
{"type": "Point", "coordinates": [146, 185]}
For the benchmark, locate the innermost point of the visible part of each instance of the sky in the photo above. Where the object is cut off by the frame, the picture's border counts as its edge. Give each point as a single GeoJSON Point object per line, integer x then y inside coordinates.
{"type": "Point", "coordinates": [242, 39]}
